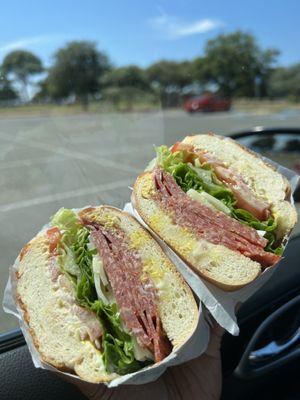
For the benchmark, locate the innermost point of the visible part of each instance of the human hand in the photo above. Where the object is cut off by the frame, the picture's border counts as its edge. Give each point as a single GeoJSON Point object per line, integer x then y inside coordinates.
{"type": "Point", "coordinates": [200, 378]}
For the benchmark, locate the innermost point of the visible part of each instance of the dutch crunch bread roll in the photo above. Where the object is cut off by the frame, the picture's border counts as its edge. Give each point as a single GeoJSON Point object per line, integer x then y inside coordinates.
{"type": "Point", "coordinates": [220, 207]}
{"type": "Point", "coordinates": [100, 297]}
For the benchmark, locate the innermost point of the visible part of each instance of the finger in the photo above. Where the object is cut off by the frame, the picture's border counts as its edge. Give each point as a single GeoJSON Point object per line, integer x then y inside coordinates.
{"type": "Point", "coordinates": [216, 334]}
{"type": "Point", "coordinates": [209, 319]}
{"type": "Point", "coordinates": [238, 306]}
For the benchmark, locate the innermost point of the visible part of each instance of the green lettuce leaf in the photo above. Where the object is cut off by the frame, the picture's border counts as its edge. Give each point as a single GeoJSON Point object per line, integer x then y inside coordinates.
{"type": "Point", "coordinates": [189, 177]}
{"type": "Point", "coordinates": [75, 258]}
{"type": "Point", "coordinates": [271, 237]}
{"type": "Point", "coordinates": [247, 218]}
{"type": "Point", "coordinates": [168, 160]}
{"type": "Point", "coordinates": [117, 344]}
{"type": "Point", "coordinates": [118, 356]}
{"type": "Point", "coordinates": [269, 226]}
{"type": "Point", "coordinates": [76, 261]}
{"type": "Point", "coordinates": [86, 292]}
{"type": "Point", "coordinates": [67, 221]}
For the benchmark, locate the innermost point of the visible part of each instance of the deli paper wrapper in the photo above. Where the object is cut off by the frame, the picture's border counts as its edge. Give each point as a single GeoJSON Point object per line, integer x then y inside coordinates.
{"type": "Point", "coordinates": [221, 304]}
{"type": "Point", "coordinates": [193, 348]}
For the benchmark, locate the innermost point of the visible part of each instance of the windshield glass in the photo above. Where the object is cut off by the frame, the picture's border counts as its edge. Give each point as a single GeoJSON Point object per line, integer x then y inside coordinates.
{"type": "Point", "coordinates": [86, 90]}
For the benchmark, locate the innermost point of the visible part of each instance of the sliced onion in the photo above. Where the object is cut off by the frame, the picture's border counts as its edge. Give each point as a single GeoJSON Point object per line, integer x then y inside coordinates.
{"type": "Point", "coordinates": [208, 200]}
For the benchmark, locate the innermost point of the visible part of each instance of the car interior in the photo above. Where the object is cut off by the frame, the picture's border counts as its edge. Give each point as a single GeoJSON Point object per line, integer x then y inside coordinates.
{"type": "Point", "coordinates": [261, 363]}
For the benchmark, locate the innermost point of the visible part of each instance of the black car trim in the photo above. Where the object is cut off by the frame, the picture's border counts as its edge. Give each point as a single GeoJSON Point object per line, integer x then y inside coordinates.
{"type": "Point", "coordinates": [11, 340]}
{"type": "Point", "coordinates": [266, 131]}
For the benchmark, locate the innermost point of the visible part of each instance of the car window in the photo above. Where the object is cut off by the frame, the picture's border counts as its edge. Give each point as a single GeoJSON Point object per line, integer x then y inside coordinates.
{"type": "Point", "coordinates": [87, 91]}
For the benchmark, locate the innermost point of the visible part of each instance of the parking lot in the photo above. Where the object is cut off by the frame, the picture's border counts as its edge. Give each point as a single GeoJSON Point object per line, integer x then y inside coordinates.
{"type": "Point", "coordinates": [89, 159]}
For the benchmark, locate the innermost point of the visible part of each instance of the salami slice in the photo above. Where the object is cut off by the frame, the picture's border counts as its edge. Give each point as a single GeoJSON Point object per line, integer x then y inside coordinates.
{"type": "Point", "coordinates": [135, 294]}
{"type": "Point", "coordinates": [213, 226]}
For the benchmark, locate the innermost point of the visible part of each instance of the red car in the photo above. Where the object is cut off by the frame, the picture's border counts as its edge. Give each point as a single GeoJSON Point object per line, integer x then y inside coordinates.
{"type": "Point", "coordinates": [207, 103]}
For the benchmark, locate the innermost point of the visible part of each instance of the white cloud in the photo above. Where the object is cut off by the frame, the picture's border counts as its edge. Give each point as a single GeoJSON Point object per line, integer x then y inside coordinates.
{"type": "Point", "coordinates": [173, 28]}
{"type": "Point", "coordinates": [24, 43]}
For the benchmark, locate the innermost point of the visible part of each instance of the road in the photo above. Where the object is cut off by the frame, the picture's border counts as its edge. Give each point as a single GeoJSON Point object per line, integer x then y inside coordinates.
{"type": "Point", "coordinates": [73, 161]}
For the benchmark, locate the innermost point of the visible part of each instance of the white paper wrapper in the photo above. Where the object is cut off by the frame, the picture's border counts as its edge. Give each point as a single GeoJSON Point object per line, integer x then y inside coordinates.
{"type": "Point", "coordinates": [221, 304]}
{"type": "Point", "coordinates": [193, 348]}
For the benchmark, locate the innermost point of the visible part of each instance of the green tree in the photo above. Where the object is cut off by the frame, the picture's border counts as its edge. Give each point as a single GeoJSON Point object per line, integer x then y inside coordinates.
{"type": "Point", "coordinates": [42, 95]}
{"type": "Point", "coordinates": [76, 71]}
{"type": "Point", "coordinates": [129, 76]}
{"type": "Point", "coordinates": [113, 95]}
{"type": "Point", "coordinates": [237, 65]}
{"type": "Point", "coordinates": [198, 70]}
{"type": "Point", "coordinates": [285, 82]}
{"type": "Point", "coordinates": [7, 93]}
{"type": "Point", "coordinates": [169, 77]}
{"type": "Point", "coordinates": [127, 85]}
{"type": "Point", "coordinates": [21, 65]}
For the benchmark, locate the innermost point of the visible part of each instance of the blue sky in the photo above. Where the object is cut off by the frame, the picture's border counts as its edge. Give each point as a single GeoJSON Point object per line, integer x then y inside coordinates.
{"type": "Point", "coordinates": [141, 32]}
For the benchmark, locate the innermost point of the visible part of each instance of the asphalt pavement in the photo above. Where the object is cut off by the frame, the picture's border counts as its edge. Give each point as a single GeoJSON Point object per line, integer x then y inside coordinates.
{"type": "Point", "coordinates": [89, 159]}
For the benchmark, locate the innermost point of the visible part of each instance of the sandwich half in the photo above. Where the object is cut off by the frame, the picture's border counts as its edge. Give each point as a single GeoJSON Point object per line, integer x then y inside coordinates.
{"type": "Point", "coordinates": [221, 208]}
{"type": "Point", "coordinates": [100, 297]}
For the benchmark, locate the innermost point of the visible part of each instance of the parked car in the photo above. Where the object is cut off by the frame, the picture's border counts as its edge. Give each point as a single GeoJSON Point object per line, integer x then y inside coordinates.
{"type": "Point", "coordinates": [207, 103]}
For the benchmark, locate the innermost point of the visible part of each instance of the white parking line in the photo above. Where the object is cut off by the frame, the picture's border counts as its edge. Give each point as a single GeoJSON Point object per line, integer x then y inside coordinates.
{"type": "Point", "coordinates": [65, 195]}
{"type": "Point", "coordinates": [29, 161]}
{"type": "Point", "coordinates": [6, 164]}
{"type": "Point", "coordinates": [77, 155]}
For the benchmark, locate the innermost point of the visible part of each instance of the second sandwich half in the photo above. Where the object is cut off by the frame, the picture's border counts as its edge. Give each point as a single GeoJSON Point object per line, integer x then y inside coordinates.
{"type": "Point", "coordinates": [223, 209]}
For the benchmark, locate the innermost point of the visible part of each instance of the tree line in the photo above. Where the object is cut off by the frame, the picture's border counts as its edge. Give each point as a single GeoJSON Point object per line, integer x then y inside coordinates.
{"type": "Point", "coordinates": [233, 65]}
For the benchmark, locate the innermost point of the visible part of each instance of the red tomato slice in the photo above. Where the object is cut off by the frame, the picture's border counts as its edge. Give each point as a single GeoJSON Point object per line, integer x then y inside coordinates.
{"type": "Point", "coordinates": [54, 236]}
{"type": "Point", "coordinates": [175, 147]}
{"type": "Point", "coordinates": [178, 146]}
